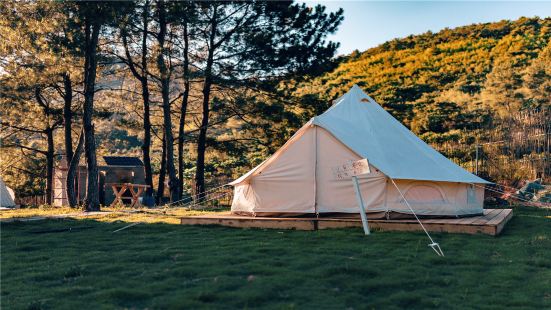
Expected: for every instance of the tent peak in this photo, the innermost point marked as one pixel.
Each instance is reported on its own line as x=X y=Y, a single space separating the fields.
x=354 y=95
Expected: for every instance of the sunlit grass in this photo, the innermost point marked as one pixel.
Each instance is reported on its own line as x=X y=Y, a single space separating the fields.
x=109 y=214
x=36 y=211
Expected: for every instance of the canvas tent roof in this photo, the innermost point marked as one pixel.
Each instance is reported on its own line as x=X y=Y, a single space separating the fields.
x=366 y=128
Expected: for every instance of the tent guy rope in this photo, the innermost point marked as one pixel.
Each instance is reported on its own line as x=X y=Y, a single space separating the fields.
x=193 y=204
x=502 y=192
x=435 y=246
x=193 y=197
x=533 y=203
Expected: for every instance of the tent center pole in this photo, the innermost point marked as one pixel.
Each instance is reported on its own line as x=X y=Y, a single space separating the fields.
x=360 y=204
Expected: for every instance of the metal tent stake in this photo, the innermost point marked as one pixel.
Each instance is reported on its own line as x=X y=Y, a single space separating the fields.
x=360 y=204
x=436 y=247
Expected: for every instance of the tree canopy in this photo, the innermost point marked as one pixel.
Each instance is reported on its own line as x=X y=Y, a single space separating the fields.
x=193 y=63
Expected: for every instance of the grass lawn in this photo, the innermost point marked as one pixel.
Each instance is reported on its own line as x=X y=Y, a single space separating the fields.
x=162 y=265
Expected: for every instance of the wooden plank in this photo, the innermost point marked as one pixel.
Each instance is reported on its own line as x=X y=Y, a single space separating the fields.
x=428 y=221
x=434 y=227
x=488 y=214
x=441 y=221
x=501 y=225
x=409 y=226
x=475 y=220
x=465 y=229
x=298 y=224
x=468 y=220
x=483 y=220
x=492 y=213
x=340 y=223
x=498 y=219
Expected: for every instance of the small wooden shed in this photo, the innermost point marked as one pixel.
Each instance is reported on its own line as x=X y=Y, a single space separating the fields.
x=112 y=169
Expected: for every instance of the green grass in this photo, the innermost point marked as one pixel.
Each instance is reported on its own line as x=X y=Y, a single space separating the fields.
x=172 y=266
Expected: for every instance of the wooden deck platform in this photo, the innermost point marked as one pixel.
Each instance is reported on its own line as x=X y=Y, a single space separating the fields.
x=491 y=223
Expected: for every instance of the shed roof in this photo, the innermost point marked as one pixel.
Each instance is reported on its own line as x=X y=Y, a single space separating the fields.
x=122 y=161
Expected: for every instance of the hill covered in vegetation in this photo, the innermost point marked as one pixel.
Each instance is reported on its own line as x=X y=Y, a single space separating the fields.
x=487 y=84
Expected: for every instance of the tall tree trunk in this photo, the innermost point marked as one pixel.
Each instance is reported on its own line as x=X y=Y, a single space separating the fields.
x=162 y=174
x=183 y=112
x=201 y=142
x=71 y=172
x=201 y=145
x=50 y=165
x=68 y=135
x=165 y=89
x=181 y=140
x=142 y=77
x=49 y=131
x=68 y=116
x=146 y=147
x=90 y=65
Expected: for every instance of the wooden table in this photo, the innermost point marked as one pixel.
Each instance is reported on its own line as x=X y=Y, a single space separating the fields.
x=119 y=189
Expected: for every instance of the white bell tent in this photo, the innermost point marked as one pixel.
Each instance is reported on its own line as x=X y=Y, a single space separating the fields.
x=298 y=178
x=6 y=195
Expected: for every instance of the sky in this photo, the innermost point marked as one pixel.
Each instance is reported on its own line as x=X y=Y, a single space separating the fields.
x=369 y=23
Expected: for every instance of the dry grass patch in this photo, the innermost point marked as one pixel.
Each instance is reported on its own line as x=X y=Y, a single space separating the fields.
x=108 y=214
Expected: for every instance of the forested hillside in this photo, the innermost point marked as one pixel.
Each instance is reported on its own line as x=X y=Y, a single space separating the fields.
x=487 y=84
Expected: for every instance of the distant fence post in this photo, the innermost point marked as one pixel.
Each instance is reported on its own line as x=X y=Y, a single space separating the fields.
x=476 y=159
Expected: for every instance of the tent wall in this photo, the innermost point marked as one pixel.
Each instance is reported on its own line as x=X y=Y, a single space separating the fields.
x=435 y=198
x=6 y=199
x=298 y=179
x=334 y=195
x=244 y=199
x=286 y=184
